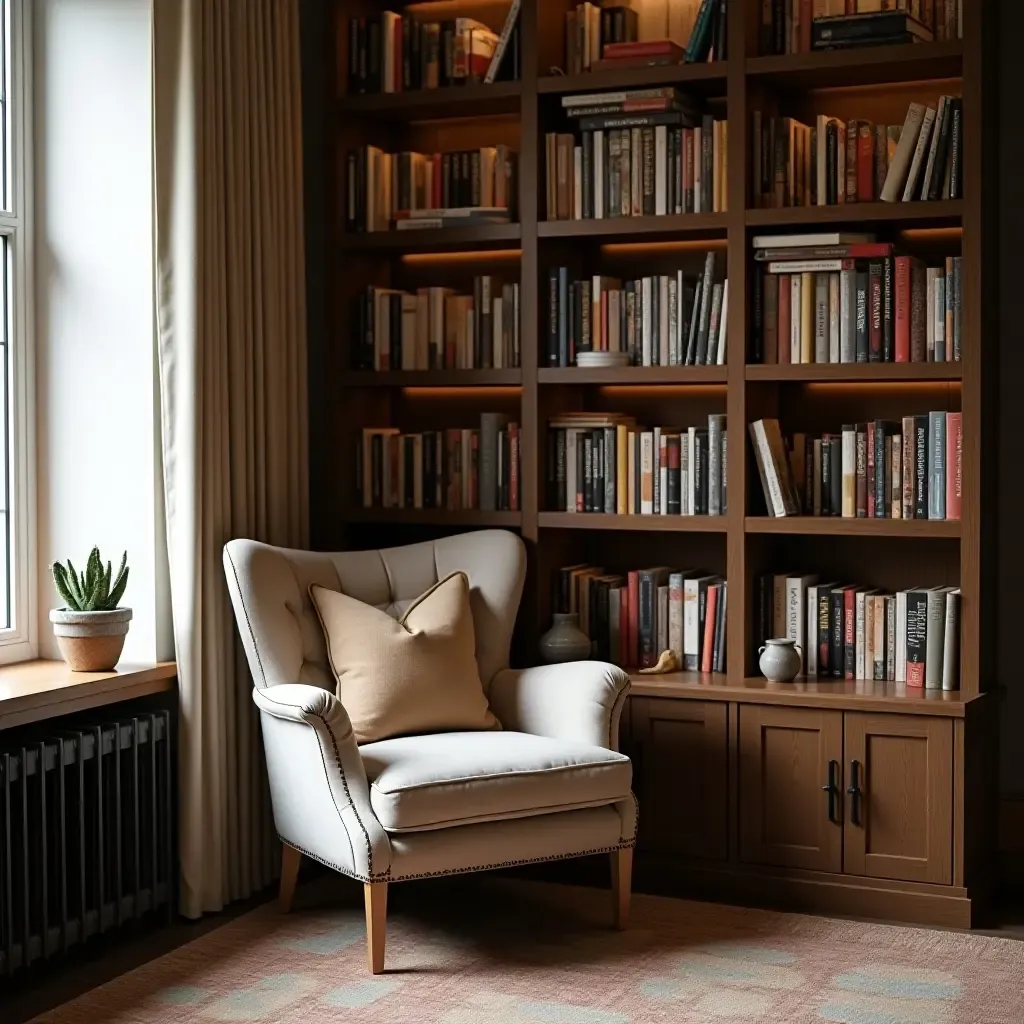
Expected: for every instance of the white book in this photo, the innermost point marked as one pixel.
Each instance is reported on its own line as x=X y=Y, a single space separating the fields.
x=656 y=473
x=663 y=474
x=723 y=329
x=929 y=168
x=901 y=636
x=821 y=239
x=951 y=643
x=810 y=655
x=920 y=157
x=681 y=328
x=662 y=347
x=502 y=44
x=834 y=314
x=691 y=440
x=776 y=503
x=900 y=163
x=803 y=266
x=847 y=316
x=795 y=318
x=796 y=610
x=691 y=620
x=859 y=634
x=938 y=354
x=599 y=187
x=577 y=178
x=660 y=170
x=646 y=471
x=849 y=469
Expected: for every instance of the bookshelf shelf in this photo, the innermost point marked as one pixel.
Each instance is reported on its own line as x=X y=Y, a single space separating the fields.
x=855 y=373
x=635 y=375
x=434 y=517
x=843 y=694
x=645 y=524
x=723 y=712
x=459 y=101
x=865 y=66
x=689 y=225
x=697 y=75
x=914 y=214
x=478 y=236
x=432 y=378
x=836 y=526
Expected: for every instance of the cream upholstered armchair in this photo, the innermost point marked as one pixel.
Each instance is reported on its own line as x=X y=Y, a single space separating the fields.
x=550 y=785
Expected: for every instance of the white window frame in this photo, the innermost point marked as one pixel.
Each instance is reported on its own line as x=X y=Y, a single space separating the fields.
x=21 y=642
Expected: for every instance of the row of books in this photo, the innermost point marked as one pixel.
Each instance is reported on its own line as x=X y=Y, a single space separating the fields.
x=834 y=162
x=846 y=631
x=910 y=468
x=661 y=320
x=631 y=618
x=437 y=329
x=606 y=463
x=389 y=53
x=804 y=26
x=408 y=190
x=640 y=152
x=453 y=469
x=600 y=37
x=855 y=302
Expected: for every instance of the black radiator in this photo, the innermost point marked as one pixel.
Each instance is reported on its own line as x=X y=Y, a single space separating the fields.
x=85 y=833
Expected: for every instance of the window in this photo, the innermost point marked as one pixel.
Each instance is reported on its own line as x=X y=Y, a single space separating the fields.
x=17 y=589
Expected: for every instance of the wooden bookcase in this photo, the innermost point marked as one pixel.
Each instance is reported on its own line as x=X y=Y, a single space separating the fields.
x=730 y=769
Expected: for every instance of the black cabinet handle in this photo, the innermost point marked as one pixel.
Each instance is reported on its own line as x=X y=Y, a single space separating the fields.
x=855 y=792
x=832 y=789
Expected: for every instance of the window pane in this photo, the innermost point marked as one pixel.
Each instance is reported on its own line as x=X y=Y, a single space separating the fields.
x=5 y=439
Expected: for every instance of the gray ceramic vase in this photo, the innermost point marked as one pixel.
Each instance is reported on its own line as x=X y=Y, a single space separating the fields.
x=781 y=660
x=565 y=641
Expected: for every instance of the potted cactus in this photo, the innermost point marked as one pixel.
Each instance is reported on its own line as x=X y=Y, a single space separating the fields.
x=90 y=629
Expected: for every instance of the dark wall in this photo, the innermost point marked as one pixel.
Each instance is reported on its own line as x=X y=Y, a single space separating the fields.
x=1010 y=520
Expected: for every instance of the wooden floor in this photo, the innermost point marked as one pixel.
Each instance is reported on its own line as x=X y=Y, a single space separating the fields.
x=104 y=961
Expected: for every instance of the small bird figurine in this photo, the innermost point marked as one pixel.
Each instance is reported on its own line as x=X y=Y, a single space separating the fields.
x=667 y=662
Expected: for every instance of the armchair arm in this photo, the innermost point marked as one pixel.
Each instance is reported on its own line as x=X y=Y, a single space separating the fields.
x=579 y=700
x=318 y=783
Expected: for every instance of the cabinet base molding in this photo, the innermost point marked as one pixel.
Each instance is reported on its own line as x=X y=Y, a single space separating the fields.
x=810 y=892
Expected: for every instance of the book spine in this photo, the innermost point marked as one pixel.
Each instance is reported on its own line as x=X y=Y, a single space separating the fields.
x=917 y=635
x=937 y=465
x=921 y=467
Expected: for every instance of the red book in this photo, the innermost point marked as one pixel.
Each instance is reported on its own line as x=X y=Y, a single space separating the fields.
x=652 y=48
x=865 y=162
x=903 y=311
x=785 y=301
x=633 y=604
x=513 y=470
x=850 y=632
x=954 y=463
x=708 y=647
x=851 y=6
x=871 y=470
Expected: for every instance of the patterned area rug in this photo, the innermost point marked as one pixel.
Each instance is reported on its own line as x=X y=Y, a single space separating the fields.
x=493 y=951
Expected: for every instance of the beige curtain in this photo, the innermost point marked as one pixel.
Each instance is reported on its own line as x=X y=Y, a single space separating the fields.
x=232 y=341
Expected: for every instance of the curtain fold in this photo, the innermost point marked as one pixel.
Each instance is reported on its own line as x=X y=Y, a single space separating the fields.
x=232 y=362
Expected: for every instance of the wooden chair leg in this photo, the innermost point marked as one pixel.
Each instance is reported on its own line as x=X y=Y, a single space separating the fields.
x=622 y=879
x=375 y=896
x=290 y=861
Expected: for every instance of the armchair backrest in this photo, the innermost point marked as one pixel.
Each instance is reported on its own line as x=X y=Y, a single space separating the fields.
x=280 y=631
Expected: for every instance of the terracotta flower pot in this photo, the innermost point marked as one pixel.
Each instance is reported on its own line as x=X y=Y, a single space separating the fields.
x=90 y=641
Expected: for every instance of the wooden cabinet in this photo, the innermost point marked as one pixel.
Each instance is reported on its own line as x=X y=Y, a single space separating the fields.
x=899 y=810
x=682 y=769
x=789 y=758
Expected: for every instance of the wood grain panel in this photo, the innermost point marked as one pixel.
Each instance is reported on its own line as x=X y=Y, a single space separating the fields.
x=904 y=769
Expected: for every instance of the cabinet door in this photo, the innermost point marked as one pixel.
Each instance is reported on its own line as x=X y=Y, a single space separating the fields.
x=899 y=805
x=787 y=758
x=682 y=774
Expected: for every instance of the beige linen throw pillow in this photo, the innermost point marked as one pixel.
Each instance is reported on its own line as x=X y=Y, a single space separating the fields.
x=417 y=674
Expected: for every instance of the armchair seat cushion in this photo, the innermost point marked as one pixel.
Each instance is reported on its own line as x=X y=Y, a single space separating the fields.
x=419 y=783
